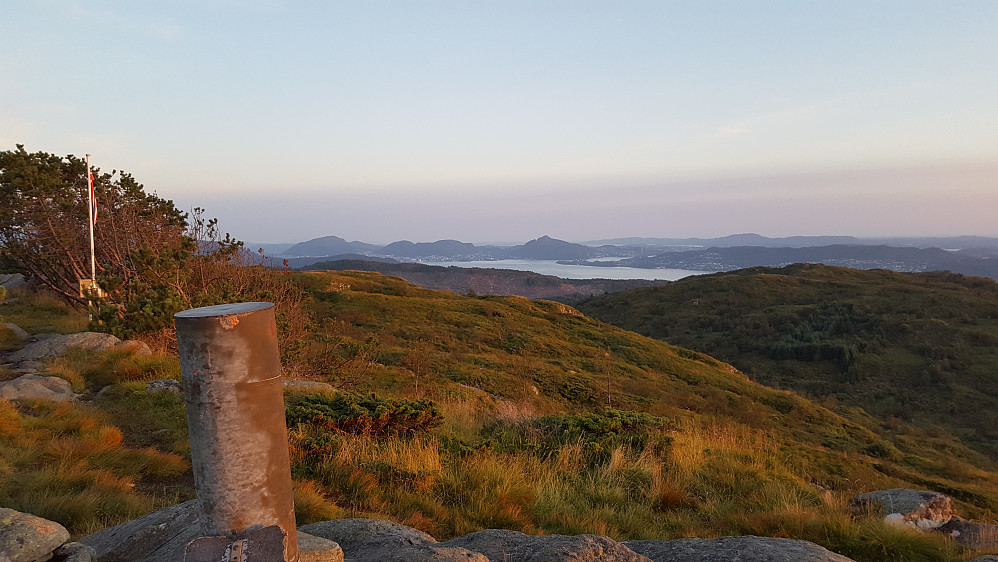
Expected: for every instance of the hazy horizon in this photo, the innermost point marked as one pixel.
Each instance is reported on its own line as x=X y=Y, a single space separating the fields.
x=379 y=120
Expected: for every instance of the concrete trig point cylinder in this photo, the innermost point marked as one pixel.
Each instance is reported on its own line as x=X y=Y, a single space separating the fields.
x=231 y=371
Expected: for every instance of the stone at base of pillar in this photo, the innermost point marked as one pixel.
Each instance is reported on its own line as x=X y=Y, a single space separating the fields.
x=317 y=549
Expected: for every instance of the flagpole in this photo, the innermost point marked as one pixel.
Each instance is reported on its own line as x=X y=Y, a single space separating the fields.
x=90 y=212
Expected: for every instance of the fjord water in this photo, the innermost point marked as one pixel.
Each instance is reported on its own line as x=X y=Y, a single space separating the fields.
x=552 y=267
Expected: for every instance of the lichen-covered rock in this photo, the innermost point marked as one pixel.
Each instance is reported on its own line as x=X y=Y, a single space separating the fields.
x=31 y=386
x=921 y=509
x=25 y=537
x=371 y=539
x=50 y=345
x=160 y=536
x=501 y=545
x=742 y=549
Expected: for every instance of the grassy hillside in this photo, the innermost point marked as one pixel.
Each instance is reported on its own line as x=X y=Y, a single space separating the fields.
x=919 y=348
x=549 y=421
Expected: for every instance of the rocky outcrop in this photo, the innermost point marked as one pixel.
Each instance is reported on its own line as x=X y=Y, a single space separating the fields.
x=163 y=535
x=50 y=345
x=367 y=539
x=500 y=545
x=36 y=387
x=744 y=549
x=921 y=509
x=26 y=538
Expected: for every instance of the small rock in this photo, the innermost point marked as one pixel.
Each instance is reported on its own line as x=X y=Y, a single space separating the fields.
x=371 y=539
x=921 y=509
x=317 y=549
x=34 y=386
x=164 y=385
x=308 y=385
x=137 y=347
x=500 y=545
x=51 y=345
x=744 y=549
x=25 y=537
x=74 y=552
x=18 y=332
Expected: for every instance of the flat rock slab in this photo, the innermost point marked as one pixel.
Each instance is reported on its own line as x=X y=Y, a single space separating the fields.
x=734 y=549
x=25 y=537
x=51 y=345
x=33 y=387
x=386 y=541
x=502 y=545
x=160 y=536
x=922 y=509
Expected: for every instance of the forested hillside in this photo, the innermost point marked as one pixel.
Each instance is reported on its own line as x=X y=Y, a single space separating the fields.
x=919 y=348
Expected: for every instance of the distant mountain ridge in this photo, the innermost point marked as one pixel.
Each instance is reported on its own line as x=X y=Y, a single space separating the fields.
x=969 y=255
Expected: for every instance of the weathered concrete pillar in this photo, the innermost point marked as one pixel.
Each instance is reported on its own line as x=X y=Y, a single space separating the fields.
x=235 y=417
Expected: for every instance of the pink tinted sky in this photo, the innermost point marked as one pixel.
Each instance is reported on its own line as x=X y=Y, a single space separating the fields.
x=381 y=120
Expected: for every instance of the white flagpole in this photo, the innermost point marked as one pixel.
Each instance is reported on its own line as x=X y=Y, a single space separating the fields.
x=90 y=212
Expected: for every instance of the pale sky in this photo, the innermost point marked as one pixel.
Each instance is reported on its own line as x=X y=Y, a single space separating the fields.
x=506 y=120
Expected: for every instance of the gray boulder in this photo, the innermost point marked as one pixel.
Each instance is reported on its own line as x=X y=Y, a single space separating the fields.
x=370 y=539
x=50 y=345
x=921 y=509
x=30 y=386
x=135 y=346
x=740 y=549
x=12 y=280
x=971 y=533
x=18 y=331
x=501 y=545
x=26 y=538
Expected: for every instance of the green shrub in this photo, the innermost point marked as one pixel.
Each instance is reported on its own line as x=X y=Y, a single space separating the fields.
x=365 y=415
